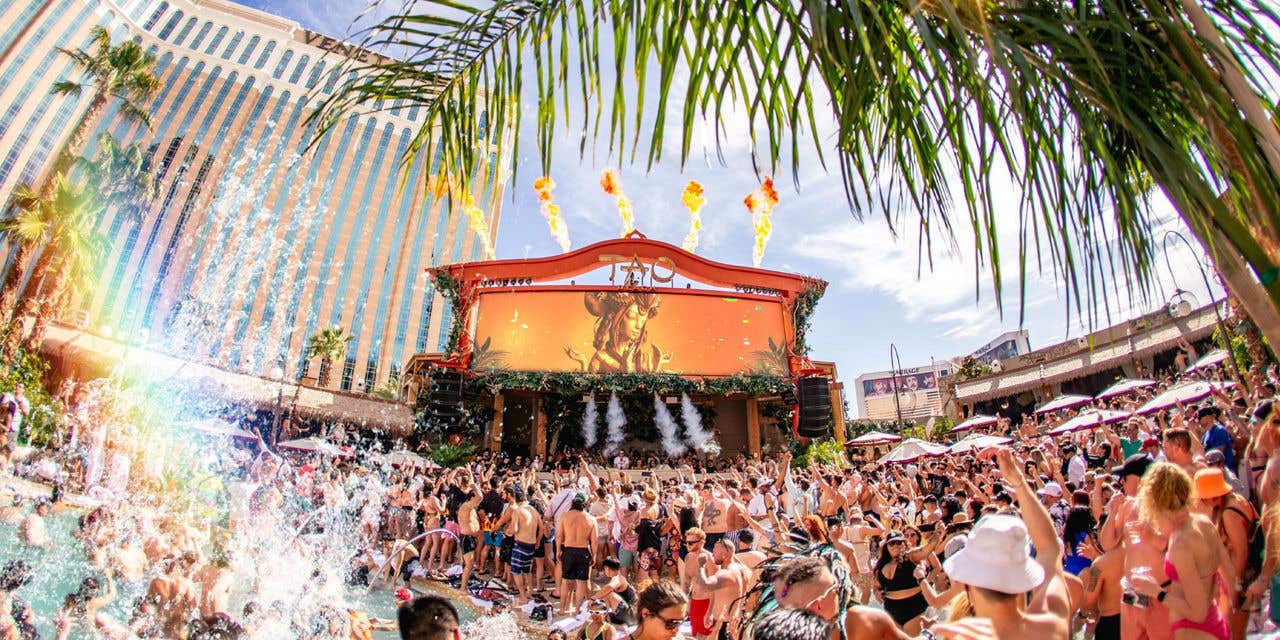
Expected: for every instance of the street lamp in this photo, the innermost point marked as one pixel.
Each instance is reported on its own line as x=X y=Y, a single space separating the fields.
x=277 y=374
x=893 y=371
x=1222 y=325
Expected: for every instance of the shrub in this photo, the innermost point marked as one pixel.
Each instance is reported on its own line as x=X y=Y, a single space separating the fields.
x=451 y=455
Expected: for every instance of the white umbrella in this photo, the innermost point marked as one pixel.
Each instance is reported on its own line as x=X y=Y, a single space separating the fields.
x=406 y=459
x=313 y=445
x=978 y=420
x=1090 y=419
x=1184 y=393
x=872 y=438
x=1217 y=356
x=1065 y=401
x=977 y=442
x=913 y=449
x=1125 y=386
x=216 y=427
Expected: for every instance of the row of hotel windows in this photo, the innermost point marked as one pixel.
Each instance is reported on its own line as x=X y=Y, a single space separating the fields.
x=399 y=106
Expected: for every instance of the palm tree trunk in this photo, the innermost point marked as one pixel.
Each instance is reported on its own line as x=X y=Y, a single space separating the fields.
x=1253 y=298
x=13 y=280
x=51 y=305
x=75 y=142
x=326 y=367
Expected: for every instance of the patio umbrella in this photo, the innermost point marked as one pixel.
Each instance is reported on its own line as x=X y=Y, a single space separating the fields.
x=1090 y=419
x=312 y=445
x=977 y=442
x=978 y=420
x=406 y=459
x=1124 y=386
x=913 y=449
x=1217 y=356
x=1184 y=393
x=873 y=438
x=216 y=427
x=1065 y=401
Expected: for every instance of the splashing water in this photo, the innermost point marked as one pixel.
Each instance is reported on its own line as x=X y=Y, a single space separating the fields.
x=699 y=439
x=616 y=420
x=590 y=422
x=668 y=428
x=693 y=201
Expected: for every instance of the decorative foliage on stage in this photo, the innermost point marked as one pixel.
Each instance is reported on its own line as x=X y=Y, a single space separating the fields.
x=609 y=182
x=448 y=286
x=551 y=211
x=660 y=383
x=693 y=201
x=802 y=313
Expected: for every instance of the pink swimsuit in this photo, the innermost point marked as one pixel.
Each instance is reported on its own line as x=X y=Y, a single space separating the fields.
x=1214 y=623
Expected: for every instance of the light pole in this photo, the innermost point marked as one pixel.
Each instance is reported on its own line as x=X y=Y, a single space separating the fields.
x=277 y=374
x=893 y=371
x=1222 y=325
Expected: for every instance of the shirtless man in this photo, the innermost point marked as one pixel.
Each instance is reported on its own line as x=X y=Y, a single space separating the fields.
x=468 y=533
x=573 y=548
x=215 y=581
x=526 y=525
x=715 y=516
x=174 y=596
x=1102 y=592
x=726 y=578
x=1182 y=449
x=747 y=553
x=31 y=531
x=695 y=556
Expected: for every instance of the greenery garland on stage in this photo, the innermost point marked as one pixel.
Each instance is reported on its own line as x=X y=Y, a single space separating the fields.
x=802 y=313
x=448 y=287
x=660 y=383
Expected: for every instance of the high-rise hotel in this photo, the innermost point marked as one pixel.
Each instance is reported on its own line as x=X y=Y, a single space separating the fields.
x=266 y=241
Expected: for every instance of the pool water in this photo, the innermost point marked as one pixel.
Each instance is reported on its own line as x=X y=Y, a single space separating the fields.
x=59 y=568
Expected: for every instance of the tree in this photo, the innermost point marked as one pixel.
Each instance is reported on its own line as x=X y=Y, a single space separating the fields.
x=328 y=345
x=25 y=232
x=121 y=72
x=1088 y=107
x=120 y=174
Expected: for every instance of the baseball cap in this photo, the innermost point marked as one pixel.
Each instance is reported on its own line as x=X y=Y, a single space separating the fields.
x=1052 y=489
x=1150 y=442
x=1214 y=456
x=1135 y=465
x=403 y=594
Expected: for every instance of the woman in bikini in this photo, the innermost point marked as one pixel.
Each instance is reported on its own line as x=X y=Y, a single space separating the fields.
x=433 y=512
x=1196 y=561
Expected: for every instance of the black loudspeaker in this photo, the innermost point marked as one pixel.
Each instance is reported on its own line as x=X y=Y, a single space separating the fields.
x=445 y=400
x=814 y=396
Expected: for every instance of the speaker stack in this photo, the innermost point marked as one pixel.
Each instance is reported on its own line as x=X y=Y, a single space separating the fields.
x=814 y=397
x=444 y=404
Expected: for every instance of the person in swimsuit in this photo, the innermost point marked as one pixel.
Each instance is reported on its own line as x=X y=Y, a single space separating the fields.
x=597 y=626
x=1195 y=561
x=899 y=587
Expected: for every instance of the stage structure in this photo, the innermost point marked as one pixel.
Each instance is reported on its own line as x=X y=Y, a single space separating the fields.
x=528 y=339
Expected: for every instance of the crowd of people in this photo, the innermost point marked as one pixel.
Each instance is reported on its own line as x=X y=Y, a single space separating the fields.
x=1159 y=526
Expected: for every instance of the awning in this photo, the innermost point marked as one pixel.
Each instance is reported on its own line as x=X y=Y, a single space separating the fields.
x=873 y=438
x=1215 y=357
x=975 y=422
x=911 y=450
x=1128 y=385
x=977 y=442
x=1090 y=419
x=1064 y=401
x=1182 y=394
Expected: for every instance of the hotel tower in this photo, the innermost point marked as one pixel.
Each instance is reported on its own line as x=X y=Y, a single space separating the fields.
x=252 y=237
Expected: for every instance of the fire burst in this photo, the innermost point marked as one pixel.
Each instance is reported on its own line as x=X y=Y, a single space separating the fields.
x=551 y=211
x=475 y=219
x=761 y=203
x=693 y=201
x=609 y=182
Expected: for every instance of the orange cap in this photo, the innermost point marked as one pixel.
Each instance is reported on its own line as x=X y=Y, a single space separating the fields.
x=1211 y=484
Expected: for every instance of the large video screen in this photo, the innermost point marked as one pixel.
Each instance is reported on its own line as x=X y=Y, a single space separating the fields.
x=612 y=331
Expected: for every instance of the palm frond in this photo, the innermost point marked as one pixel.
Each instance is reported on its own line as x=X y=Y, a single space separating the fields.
x=135 y=113
x=67 y=88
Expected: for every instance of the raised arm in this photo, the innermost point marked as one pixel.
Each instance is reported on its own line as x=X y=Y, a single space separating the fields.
x=1052 y=595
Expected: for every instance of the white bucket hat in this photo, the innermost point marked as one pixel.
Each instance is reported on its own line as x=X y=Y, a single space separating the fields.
x=996 y=556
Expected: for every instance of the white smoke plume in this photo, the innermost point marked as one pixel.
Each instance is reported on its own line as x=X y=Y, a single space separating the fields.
x=590 y=422
x=616 y=421
x=668 y=427
x=699 y=439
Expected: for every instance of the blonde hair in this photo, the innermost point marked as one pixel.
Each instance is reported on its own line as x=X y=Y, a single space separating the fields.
x=960 y=607
x=1165 y=489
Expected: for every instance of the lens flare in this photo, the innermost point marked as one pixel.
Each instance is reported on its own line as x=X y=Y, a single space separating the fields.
x=551 y=211
x=693 y=201
x=761 y=203
x=611 y=185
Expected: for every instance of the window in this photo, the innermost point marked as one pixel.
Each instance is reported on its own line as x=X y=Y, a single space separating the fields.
x=297 y=71
x=170 y=26
x=217 y=40
x=204 y=31
x=332 y=82
x=315 y=75
x=235 y=42
x=186 y=31
x=348 y=372
x=370 y=376
x=155 y=17
x=284 y=62
x=266 y=53
x=248 y=51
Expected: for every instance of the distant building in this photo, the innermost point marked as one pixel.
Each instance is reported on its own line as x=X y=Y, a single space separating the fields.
x=252 y=238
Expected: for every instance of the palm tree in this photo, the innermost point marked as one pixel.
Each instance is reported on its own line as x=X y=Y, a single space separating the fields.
x=328 y=345
x=72 y=249
x=25 y=231
x=110 y=72
x=120 y=174
x=1088 y=107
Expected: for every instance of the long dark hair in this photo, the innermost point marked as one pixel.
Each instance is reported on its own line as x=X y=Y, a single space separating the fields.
x=1079 y=520
x=658 y=596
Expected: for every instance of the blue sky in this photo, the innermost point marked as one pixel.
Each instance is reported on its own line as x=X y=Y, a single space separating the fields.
x=875 y=297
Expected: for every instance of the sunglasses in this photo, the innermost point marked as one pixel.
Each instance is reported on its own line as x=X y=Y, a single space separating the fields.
x=692 y=542
x=671 y=625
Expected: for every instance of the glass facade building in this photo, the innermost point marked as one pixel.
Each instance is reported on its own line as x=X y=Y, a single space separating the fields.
x=252 y=236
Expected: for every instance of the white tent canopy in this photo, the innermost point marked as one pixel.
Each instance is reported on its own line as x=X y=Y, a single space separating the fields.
x=977 y=442
x=1183 y=394
x=1065 y=401
x=873 y=438
x=1090 y=419
x=407 y=459
x=1217 y=356
x=976 y=421
x=1127 y=385
x=913 y=449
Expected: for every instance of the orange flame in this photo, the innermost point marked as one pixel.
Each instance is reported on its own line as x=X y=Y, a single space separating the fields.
x=761 y=203
x=475 y=220
x=610 y=183
x=692 y=199
x=550 y=211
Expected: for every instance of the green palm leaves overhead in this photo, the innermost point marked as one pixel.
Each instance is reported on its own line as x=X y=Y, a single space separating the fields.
x=1087 y=108
x=328 y=345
